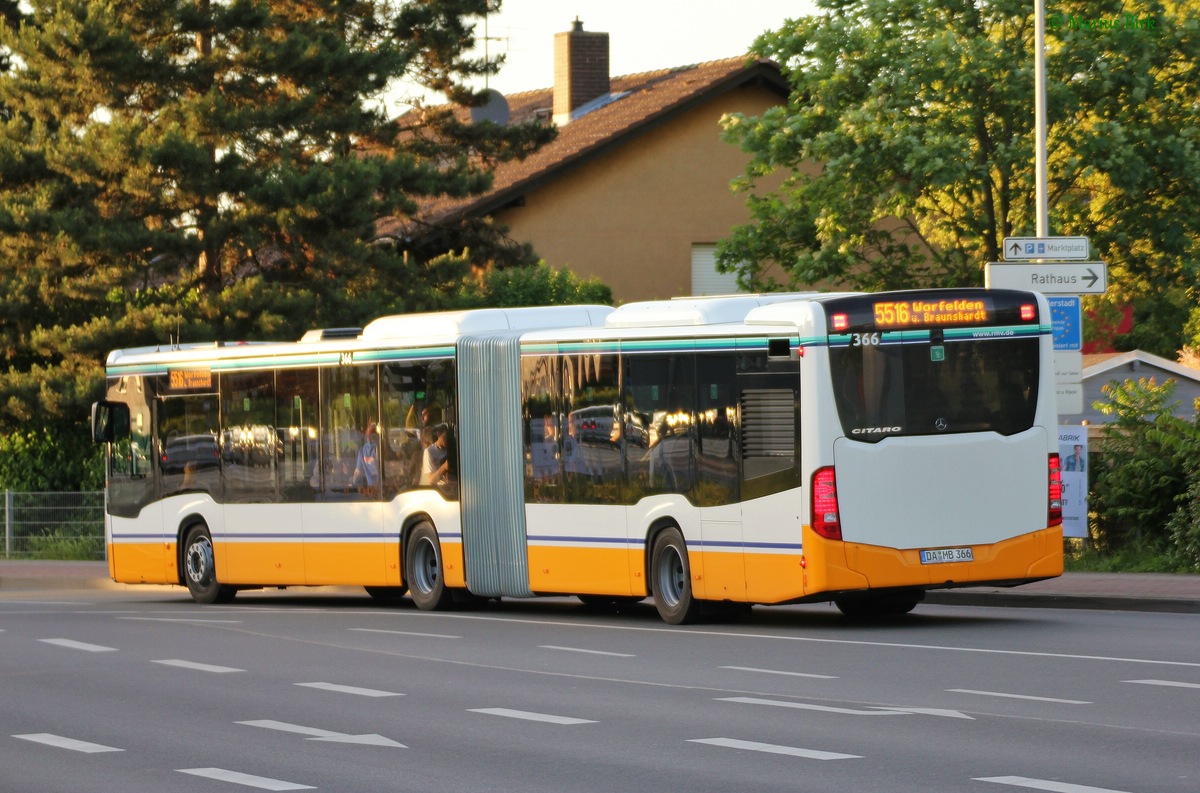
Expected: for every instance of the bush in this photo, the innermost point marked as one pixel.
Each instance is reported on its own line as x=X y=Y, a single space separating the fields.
x=46 y=459
x=1144 y=471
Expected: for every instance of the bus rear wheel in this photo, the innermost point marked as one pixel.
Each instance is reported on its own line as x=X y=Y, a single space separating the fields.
x=671 y=575
x=423 y=569
x=200 y=569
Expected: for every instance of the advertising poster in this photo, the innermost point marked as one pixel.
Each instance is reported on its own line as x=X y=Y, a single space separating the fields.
x=1073 y=455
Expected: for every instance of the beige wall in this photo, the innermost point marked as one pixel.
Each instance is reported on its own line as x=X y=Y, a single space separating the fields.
x=630 y=217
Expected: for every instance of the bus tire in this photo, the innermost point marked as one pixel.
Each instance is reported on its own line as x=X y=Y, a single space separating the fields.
x=386 y=594
x=200 y=569
x=423 y=569
x=671 y=575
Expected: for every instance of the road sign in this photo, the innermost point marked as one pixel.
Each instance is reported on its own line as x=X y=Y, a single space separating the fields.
x=1049 y=248
x=1068 y=367
x=1073 y=278
x=1066 y=320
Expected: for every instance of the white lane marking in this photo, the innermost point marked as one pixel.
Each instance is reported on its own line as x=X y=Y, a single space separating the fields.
x=1045 y=784
x=406 y=633
x=362 y=692
x=776 y=703
x=874 y=711
x=197 y=666
x=582 y=650
x=779 y=672
x=815 y=640
x=317 y=734
x=793 y=751
x=1175 y=683
x=528 y=716
x=1018 y=696
x=249 y=780
x=67 y=743
x=74 y=645
x=182 y=619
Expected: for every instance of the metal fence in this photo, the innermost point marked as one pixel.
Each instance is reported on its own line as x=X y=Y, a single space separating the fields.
x=54 y=525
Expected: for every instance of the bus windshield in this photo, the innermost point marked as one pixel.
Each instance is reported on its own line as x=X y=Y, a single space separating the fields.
x=933 y=366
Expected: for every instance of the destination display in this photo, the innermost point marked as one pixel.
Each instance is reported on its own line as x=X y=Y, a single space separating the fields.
x=920 y=313
x=189 y=379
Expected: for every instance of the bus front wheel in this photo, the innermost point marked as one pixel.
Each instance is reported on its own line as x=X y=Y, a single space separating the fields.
x=423 y=570
x=200 y=569
x=671 y=575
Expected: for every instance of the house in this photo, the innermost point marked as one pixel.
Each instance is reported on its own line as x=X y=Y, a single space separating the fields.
x=1101 y=369
x=635 y=190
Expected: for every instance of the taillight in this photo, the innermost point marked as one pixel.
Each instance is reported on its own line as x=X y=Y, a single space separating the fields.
x=1028 y=312
x=840 y=321
x=825 y=520
x=1054 y=511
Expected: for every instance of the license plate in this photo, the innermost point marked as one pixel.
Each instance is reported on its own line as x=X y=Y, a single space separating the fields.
x=943 y=555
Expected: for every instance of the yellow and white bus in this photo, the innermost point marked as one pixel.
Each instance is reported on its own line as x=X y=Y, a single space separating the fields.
x=710 y=453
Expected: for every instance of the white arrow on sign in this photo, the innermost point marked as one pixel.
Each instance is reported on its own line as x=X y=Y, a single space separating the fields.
x=317 y=734
x=1050 y=278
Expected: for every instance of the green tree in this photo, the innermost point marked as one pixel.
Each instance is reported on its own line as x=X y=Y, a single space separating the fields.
x=907 y=150
x=536 y=285
x=189 y=169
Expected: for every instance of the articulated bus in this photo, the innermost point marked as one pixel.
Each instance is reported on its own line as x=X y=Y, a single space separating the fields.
x=708 y=453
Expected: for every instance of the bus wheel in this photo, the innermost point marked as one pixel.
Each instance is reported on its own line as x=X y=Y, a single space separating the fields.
x=891 y=604
x=672 y=578
x=200 y=570
x=423 y=569
x=386 y=594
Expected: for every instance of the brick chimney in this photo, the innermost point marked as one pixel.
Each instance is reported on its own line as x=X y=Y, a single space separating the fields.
x=580 y=69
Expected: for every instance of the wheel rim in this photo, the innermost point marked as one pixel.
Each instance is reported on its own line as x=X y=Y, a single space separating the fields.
x=426 y=566
x=199 y=562
x=671 y=576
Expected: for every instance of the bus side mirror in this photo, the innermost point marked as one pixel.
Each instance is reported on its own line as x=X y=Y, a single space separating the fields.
x=102 y=422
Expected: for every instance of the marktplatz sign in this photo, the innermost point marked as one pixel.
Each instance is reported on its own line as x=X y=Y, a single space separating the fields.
x=1055 y=249
x=1051 y=278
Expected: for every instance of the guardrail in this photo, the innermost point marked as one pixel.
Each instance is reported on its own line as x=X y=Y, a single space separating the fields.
x=54 y=525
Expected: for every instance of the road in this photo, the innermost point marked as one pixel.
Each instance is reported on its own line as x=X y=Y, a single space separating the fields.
x=129 y=691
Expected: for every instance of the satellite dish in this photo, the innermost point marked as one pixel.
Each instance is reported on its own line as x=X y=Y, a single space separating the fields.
x=494 y=109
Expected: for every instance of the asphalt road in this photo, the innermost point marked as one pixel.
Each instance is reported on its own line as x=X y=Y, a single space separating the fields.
x=129 y=691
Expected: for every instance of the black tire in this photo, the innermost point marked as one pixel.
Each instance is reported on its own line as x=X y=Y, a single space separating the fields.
x=386 y=594
x=671 y=577
x=423 y=571
x=200 y=570
x=872 y=606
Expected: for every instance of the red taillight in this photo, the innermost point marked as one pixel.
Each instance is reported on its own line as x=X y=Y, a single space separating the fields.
x=825 y=519
x=1054 y=512
x=840 y=321
x=1028 y=312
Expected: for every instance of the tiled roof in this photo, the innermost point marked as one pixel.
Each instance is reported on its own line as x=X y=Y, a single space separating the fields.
x=640 y=102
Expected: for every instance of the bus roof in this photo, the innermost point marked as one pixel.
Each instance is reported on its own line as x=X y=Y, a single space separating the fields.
x=452 y=324
x=696 y=311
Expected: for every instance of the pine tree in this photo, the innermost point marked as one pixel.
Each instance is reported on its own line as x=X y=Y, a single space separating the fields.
x=190 y=169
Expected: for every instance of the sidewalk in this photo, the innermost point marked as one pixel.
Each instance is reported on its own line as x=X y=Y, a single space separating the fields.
x=1107 y=591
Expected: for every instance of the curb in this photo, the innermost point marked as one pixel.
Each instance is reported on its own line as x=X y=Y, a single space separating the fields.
x=1088 y=602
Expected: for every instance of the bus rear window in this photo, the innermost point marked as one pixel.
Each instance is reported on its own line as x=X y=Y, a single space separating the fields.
x=970 y=366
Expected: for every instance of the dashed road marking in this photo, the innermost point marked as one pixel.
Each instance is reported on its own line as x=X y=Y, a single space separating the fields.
x=529 y=716
x=770 y=748
x=67 y=743
x=74 y=645
x=249 y=780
